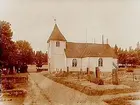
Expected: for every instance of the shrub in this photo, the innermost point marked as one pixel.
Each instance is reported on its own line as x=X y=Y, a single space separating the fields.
x=115 y=83
x=95 y=80
x=8 y=85
x=100 y=82
x=90 y=77
x=130 y=70
x=122 y=69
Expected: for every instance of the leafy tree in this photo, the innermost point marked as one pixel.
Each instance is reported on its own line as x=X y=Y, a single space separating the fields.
x=7 y=45
x=45 y=59
x=24 y=51
x=41 y=57
x=116 y=49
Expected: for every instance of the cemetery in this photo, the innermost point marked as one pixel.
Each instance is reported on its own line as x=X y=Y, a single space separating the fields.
x=14 y=88
x=95 y=83
x=102 y=84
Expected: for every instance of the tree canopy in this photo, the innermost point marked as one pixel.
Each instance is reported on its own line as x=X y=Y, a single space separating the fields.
x=7 y=45
x=13 y=51
x=24 y=51
x=128 y=57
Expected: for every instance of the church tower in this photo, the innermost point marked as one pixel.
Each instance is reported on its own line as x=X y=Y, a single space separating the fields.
x=56 y=47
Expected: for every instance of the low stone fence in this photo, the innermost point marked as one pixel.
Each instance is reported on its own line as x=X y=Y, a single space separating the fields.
x=15 y=79
x=11 y=84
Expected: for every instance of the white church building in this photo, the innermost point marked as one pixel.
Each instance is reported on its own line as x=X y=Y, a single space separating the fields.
x=78 y=56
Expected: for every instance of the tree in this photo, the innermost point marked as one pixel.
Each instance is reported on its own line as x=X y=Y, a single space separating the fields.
x=116 y=49
x=45 y=59
x=7 y=45
x=0 y=41
x=24 y=51
x=41 y=57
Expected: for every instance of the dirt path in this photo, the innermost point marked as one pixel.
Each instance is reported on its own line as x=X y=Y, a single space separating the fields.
x=59 y=94
x=35 y=95
x=43 y=91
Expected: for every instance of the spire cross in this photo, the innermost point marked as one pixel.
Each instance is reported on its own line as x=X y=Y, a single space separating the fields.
x=54 y=20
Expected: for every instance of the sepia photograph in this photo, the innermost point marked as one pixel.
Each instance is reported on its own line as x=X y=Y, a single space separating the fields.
x=69 y=52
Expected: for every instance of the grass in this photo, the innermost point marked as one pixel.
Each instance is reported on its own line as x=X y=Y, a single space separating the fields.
x=122 y=100
x=93 y=92
x=88 y=90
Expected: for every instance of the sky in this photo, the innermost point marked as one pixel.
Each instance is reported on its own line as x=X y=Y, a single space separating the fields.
x=78 y=20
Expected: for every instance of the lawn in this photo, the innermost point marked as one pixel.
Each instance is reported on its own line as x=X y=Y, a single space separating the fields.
x=126 y=85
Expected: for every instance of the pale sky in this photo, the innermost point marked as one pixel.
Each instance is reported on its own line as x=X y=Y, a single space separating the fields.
x=32 y=20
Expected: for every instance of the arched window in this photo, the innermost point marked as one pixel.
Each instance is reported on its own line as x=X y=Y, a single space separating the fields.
x=74 y=63
x=100 y=62
x=57 y=44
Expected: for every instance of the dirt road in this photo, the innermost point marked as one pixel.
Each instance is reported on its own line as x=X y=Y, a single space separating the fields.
x=47 y=92
x=35 y=95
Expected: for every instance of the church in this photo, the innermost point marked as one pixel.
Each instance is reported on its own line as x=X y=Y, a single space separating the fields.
x=63 y=55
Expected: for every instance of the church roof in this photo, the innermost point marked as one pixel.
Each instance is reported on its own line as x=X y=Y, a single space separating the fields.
x=56 y=34
x=81 y=50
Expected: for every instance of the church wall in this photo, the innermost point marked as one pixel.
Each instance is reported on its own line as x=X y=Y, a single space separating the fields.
x=57 y=62
x=85 y=63
x=57 y=58
x=93 y=63
x=49 y=49
x=115 y=60
x=69 y=64
x=57 y=50
x=107 y=64
x=49 y=56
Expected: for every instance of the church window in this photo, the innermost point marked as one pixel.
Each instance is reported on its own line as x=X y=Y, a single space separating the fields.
x=57 y=44
x=74 y=63
x=100 y=62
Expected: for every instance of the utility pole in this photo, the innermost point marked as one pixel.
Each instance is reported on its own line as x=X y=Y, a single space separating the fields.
x=102 y=39
x=86 y=35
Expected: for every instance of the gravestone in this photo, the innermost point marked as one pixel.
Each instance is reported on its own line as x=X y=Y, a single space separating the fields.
x=80 y=74
x=87 y=71
x=115 y=80
x=67 y=69
x=97 y=70
x=136 y=75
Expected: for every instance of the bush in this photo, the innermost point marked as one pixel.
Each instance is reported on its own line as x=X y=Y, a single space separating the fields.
x=122 y=69
x=90 y=77
x=115 y=83
x=100 y=82
x=8 y=85
x=95 y=80
x=130 y=70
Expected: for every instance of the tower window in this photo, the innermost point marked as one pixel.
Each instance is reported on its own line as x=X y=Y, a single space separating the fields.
x=74 y=63
x=57 y=44
x=100 y=62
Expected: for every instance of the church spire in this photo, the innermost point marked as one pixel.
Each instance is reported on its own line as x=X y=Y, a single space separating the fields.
x=56 y=34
